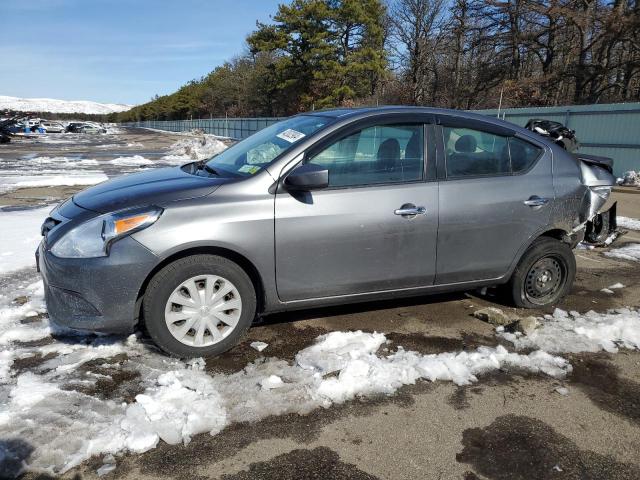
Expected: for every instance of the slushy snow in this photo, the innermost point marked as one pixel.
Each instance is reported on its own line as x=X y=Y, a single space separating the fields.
x=630 y=223
x=630 y=251
x=573 y=332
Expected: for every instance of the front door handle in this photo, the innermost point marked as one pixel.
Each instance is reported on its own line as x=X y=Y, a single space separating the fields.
x=536 y=201
x=410 y=210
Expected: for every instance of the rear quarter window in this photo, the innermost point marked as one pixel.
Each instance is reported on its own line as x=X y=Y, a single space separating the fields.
x=523 y=154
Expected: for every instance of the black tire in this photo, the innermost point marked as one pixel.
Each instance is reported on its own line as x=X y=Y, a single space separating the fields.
x=545 y=258
x=170 y=277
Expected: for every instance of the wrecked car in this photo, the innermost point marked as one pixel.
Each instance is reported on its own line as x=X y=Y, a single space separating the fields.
x=324 y=208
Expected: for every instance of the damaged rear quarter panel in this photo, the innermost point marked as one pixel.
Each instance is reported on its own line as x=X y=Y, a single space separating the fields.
x=572 y=196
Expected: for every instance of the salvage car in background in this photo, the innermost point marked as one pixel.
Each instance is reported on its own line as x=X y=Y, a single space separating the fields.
x=324 y=208
x=52 y=127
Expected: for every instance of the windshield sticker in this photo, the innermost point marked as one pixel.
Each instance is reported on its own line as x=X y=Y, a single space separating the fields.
x=249 y=169
x=291 y=135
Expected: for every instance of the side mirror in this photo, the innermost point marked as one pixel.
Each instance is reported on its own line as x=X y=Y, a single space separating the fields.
x=307 y=177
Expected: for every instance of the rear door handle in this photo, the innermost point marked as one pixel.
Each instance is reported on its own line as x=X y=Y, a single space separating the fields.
x=410 y=210
x=536 y=201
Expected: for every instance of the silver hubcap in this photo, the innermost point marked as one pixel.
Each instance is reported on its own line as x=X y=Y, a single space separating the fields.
x=203 y=310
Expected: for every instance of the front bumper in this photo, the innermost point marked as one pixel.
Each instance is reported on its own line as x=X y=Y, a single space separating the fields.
x=96 y=294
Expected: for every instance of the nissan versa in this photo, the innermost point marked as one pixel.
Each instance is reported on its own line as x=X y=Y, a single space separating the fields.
x=323 y=208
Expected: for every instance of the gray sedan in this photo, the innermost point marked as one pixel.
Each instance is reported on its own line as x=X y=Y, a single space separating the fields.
x=324 y=208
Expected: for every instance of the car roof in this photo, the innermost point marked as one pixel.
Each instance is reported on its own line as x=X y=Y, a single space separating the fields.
x=363 y=112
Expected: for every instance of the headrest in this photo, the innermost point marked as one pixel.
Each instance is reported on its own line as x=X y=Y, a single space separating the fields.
x=389 y=152
x=466 y=144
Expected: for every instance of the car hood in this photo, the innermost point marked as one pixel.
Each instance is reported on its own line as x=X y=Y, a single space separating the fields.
x=157 y=187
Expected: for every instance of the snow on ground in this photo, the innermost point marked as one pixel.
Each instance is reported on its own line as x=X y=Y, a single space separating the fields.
x=630 y=251
x=630 y=223
x=194 y=148
x=177 y=400
x=20 y=234
x=51 y=178
x=589 y=332
x=49 y=171
x=133 y=161
x=60 y=106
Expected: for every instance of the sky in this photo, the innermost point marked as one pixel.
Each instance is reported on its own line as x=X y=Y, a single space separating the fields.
x=118 y=51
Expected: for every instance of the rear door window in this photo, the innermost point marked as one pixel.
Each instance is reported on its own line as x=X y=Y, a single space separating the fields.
x=471 y=152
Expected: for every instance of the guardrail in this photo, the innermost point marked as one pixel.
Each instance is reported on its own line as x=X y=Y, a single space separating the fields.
x=611 y=130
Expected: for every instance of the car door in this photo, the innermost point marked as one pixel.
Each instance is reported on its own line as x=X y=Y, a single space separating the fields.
x=496 y=192
x=374 y=228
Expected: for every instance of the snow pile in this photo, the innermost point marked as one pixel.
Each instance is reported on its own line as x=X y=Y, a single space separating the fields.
x=194 y=148
x=589 y=332
x=630 y=251
x=630 y=223
x=113 y=129
x=184 y=403
x=631 y=178
x=20 y=238
x=60 y=106
x=362 y=372
x=133 y=161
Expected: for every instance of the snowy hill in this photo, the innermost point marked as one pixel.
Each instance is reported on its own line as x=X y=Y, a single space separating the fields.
x=59 y=106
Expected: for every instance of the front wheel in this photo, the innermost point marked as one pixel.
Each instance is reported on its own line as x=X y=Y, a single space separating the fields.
x=544 y=274
x=199 y=306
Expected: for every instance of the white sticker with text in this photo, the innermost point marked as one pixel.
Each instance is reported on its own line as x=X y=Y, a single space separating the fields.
x=291 y=135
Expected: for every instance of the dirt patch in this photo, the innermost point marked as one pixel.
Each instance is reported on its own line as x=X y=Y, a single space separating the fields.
x=320 y=462
x=424 y=344
x=517 y=447
x=38 y=196
x=181 y=460
x=285 y=341
x=21 y=365
x=599 y=379
x=114 y=381
x=35 y=343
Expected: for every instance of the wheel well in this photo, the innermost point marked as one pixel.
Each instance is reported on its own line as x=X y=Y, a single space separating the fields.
x=556 y=233
x=242 y=261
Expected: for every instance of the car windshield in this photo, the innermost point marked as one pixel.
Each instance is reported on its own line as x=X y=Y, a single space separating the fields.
x=252 y=154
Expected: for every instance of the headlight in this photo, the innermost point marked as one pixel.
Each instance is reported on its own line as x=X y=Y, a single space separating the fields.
x=93 y=238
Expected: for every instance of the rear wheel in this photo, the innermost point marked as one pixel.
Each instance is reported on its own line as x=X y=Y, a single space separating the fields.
x=544 y=274
x=199 y=306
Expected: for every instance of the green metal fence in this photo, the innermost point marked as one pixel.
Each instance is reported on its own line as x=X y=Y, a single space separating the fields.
x=611 y=130
x=236 y=128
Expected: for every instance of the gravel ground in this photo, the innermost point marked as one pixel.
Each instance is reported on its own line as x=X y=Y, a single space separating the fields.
x=505 y=426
